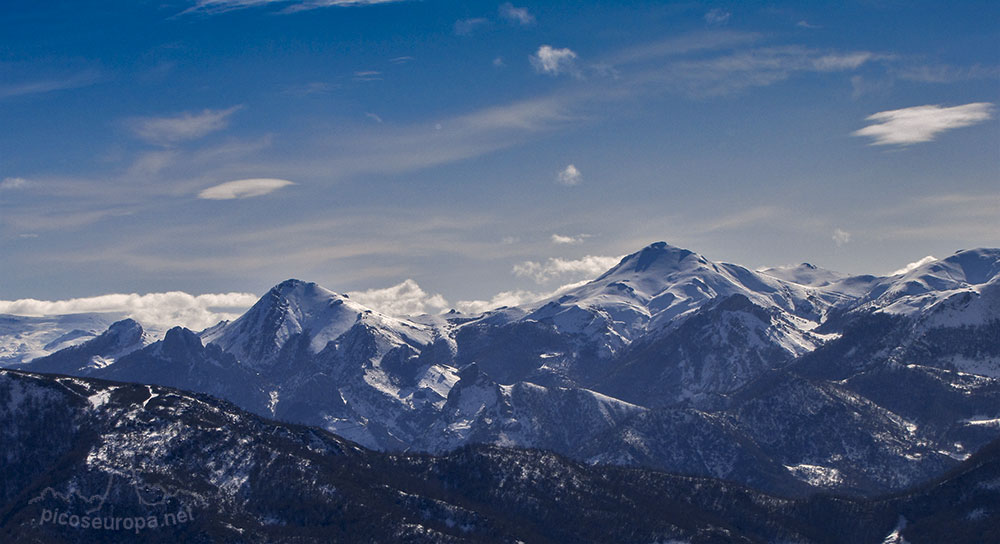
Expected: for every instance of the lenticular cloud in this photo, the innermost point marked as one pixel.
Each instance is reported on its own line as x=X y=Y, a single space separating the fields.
x=243 y=188
x=922 y=123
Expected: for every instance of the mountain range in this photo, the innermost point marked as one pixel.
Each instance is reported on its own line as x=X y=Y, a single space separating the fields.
x=90 y=460
x=789 y=380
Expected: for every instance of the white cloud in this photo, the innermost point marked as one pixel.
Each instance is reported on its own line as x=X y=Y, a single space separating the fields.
x=569 y=175
x=516 y=15
x=717 y=17
x=589 y=266
x=12 y=183
x=806 y=24
x=517 y=297
x=560 y=239
x=159 y=310
x=554 y=61
x=922 y=123
x=498 y=62
x=243 y=188
x=914 y=265
x=186 y=126
x=374 y=117
x=841 y=237
x=406 y=298
x=465 y=27
x=508 y=240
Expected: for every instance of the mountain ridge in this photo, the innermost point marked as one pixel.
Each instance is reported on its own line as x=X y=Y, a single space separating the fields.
x=665 y=343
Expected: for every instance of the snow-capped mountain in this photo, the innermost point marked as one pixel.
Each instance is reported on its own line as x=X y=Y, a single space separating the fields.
x=782 y=378
x=654 y=291
x=25 y=338
x=297 y=308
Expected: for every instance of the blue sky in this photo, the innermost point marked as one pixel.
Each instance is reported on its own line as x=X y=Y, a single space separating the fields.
x=478 y=148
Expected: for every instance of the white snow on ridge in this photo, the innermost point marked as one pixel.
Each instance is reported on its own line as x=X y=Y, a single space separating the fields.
x=100 y=398
x=816 y=475
x=985 y=422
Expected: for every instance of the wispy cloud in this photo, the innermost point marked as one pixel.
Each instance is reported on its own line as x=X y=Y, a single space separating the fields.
x=243 y=188
x=222 y=6
x=922 y=123
x=83 y=79
x=374 y=117
x=945 y=73
x=683 y=44
x=966 y=218
x=465 y=27
x=513 y=14
x=159 y=310
x=744 y=218
x=589 y=266
x=312 y=88
x=861 y=86
x=406 y=298
x=60 y=217
x=367 y=75
x=187 y=126
x=569 y=176
x=12 y=183
x=672 y=65
x=841 y=237
x=569 y=240
x=554 y=62
x=396 y=147
x=717 y=16
x=807 y=25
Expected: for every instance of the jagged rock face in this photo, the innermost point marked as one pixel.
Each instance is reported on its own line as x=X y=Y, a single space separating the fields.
x=780 y=378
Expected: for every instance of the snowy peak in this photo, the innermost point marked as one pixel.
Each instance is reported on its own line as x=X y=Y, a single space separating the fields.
x=929 y=284
x=658 y=257
x=291 y=308
x=295 y=308
x=653 y=288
